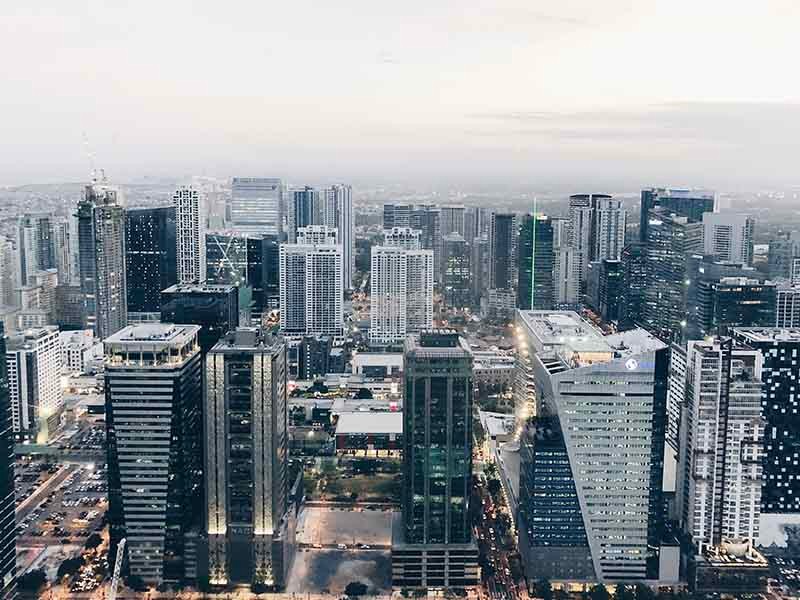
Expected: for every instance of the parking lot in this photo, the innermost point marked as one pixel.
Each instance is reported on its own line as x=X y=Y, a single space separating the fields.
x=326 y=527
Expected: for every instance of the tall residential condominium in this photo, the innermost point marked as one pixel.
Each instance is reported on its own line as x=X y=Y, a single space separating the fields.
x=722 y=443
x=453 y=220
x=304 y=209
x=428 y=220
x=36 y=251
x=256 y=203
x=477 y=222
x=8 y=272
x=456 y=288
x=397 y=215
x=719 y=305
x=609 y=228
x=190 y=234
x=432 y=544
x=246 y=460
x=318 y=234
x=337 y=213
x=729 y=237
x=480 y=268
x=566 y=271
x=604 y=289
x=150 y=259
x=33 y=368
x=402 y=237
x=65 y=244
x=536 y=264
x=594 y=411
x=101 y=241
x=311 y=289
x=503 y=251
x=8 y=522
x=214 y=307
x=670 y=241
x=783 y=259
x=780 y=479
x=787 y=306
x=401 y=292
x=691 y=204
x=155 y=438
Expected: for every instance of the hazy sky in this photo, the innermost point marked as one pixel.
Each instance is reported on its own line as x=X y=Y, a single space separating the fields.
x=692 y=92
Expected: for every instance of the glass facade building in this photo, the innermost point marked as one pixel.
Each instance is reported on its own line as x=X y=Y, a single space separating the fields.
x=214 y=307
x=150 y=257
x=8 y=523
x=536 y=287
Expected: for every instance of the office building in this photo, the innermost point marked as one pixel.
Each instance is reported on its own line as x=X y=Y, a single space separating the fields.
x=729 y=237
x=249 y=529
x=536 y=264
x=453 y=220
x=787 y=306
x=256 y=204
x=432 y=545
x=155 y=438
x=722 y=437
x=150 y=259
x=427 y=219
x=730 y=302
x=566 y=273
x=101 y=239
x=780 y=479
x=304 y=210
x=65 y=248
x=311 y=289
x=670 y=240
x=317 y=235
x=402 y=237
x=457 y=292
x=503 y=251
x=401 y=292
x=604 y=289
x=691 y=204
x=35 y=245
x=634 y=285
x=215 y=308
x=314 y=357
x=78 y=350
x=33 y=367
x=594 y=408
x=477 y=222
x=8 y=272
x=69 y=307
x=8 y=522
x=337 y=213
x=610 y=218
x=783 y=259
x=480 y=267
x=190 y=235
x=397 y=215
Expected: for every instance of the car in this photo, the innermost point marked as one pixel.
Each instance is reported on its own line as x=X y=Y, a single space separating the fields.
x=317 y=545
x=364 y=546
x=341 y=546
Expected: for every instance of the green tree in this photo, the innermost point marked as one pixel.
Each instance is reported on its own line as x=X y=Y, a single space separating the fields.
x=543 y=589
x=354 y=589
x=69 y=567
x=93 y=541
x=32 y=581
x=599 y=592
x=643 y=592
x=623 y=592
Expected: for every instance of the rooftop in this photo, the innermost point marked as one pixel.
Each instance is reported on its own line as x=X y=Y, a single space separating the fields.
x=560 y=328
x=437 y=342
x=351 y=423
x=154 y=335
x=247 y=338
x=199 y=288
x=768 y=334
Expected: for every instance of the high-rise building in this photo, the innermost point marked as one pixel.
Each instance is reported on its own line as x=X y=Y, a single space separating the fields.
x=722 y=437
x=566 y=271
x=215 y=308
x=452 y=220
x=402 y=237
x=684 y=203
x=304 y=210
x=35 y=245
x=256 y=203
x=477 y=222
x=780 y=481
x=581 y=233
x=610 y=218
x=318 y=234
x=8 y=272
x=427 y=219
x=101 y=239
x=246 y=460
x=8 y=522
x=65 y=244
x=604 y=289
x=730 y=302
x=397 y=215
x=503 y=251
x=150 y=259
x=670 y=240
x=480 y=266
x=787 y=306
x=190 y=235
x=729 y=237
x=594 y=409
x=784 y=257
x=154 y=434
x=401 y=290
x=33 y=366
x=457 y=290
x=432 y=545
x=311 y=289
x=536 y=264
x=337 y=213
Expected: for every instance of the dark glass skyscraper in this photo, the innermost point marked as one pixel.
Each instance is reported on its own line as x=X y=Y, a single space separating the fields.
x=536 y=261
x=731 y=302
x=437 y=466
x=634 y=284
x=502 y=248
x=685 y=203
x=150 y=257
x=214 y=307
x=605 y=287
x=8 y=523
x=457 y=290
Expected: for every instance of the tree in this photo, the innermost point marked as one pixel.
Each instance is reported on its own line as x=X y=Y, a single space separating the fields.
x=364 y=394
x=93 y=541
x=543 y=589
x=69 y=567
x=354 y=589
x=136 y=583
x=494 y=486
x=599 y=592
x=623 y=592
x=643 y=592
x=32 y=580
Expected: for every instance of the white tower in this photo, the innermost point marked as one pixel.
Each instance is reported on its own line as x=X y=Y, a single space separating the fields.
x=190 y=235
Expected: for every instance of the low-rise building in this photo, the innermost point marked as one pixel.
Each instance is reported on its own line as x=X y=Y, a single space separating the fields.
x=369 y=433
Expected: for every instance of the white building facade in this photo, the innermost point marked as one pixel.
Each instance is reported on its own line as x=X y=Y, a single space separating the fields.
x=190 y=235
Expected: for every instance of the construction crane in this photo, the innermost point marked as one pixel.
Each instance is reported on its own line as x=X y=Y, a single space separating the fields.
x=112 y=594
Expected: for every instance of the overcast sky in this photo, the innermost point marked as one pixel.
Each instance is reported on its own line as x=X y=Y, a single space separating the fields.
x=689 y=92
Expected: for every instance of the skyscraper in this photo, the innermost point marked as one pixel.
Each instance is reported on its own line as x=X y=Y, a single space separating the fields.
x=456 y=271
x=35 y=245
x=8 y=523
x=480 y=266
x=780 y=374
x=609 y=228
x=154 y=434
x=427 y=219
x=684 y=203
x=604 y=289
x=582 y=233
x=338 y=213
x=566 y=279
x=591 y=506
x=784 y=257
x=311 y=289
x=432 y=543
x=150 y=259
x=215 y=308
x=503 y=251
x=729 y=237
x=8 y=270
x=452 y=220
x=304 y=210
x=190 y=235
x=536 y=264
x=722 y=436
x=402 y=237
x=33 y=368
x=670 y=240
x=246 y=458
x=397 y=215
x=787 y=306
x=101 y=240
x=731 y=302
x=256 y=203
x=65 y=244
